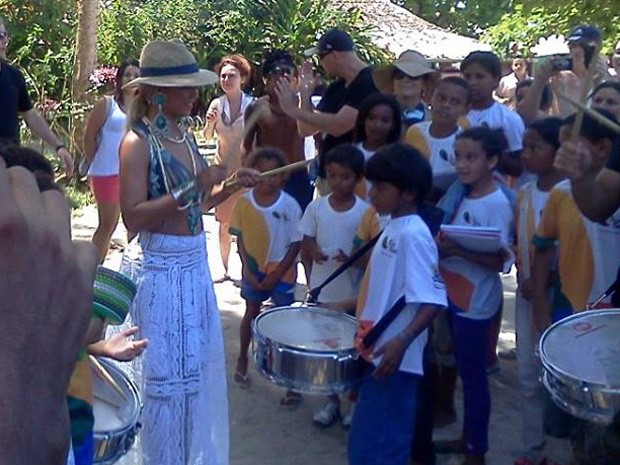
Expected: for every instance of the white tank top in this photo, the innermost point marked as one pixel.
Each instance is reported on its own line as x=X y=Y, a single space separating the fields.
x=105 y=162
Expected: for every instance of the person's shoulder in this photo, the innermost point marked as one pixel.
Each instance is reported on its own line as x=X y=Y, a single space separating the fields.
x=364 y=80
x=289 y=201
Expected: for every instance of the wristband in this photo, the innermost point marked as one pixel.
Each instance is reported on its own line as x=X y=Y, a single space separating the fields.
x=185 y=194
x=58 y=147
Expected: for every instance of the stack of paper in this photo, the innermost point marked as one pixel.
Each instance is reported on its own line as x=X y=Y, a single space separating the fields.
x=474 y=238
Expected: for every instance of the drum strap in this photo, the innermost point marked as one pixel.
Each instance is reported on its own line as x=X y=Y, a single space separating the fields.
x=385 y=321
x=432 y=217
x=313 y=295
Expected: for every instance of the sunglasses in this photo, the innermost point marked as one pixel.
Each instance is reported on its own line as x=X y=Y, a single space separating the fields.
x=4 y=35
x=282 y=71
x=324 y=54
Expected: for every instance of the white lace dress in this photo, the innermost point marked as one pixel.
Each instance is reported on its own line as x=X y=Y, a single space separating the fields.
x=181 y=375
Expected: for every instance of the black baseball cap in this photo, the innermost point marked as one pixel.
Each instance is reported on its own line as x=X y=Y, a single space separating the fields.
x=334 y=40
x=585 y=33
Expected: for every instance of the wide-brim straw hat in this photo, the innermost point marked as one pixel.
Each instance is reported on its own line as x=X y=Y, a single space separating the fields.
x=171 y=64
x=411 y=63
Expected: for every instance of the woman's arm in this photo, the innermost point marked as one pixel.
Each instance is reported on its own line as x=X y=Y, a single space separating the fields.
x=211 y=117
x=96 y=119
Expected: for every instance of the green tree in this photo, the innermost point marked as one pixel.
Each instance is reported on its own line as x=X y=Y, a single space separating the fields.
x=466 y=17
x=541 y=18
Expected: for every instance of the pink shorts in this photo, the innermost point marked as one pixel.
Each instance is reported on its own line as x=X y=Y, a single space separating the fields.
x=105 y=188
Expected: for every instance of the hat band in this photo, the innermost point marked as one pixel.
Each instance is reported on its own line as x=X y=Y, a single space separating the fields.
x=169 y=71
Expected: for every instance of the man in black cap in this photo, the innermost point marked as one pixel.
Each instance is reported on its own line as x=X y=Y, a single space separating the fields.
x=337 y=111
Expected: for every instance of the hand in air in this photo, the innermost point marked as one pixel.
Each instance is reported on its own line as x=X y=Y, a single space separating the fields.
x=246 y=177
x=286 y=97
x=573 y=160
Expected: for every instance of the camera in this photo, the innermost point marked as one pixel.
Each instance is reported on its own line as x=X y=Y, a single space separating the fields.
x=562 y=63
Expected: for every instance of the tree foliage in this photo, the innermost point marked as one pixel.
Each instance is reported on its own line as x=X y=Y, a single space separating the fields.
x=541 y=18
x=465 y=17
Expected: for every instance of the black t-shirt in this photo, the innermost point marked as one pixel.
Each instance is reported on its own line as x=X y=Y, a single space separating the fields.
x=13 y=100
x=336 y=96
x=613 y=162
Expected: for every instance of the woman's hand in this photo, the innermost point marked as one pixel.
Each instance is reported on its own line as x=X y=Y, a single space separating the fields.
x=245 y=177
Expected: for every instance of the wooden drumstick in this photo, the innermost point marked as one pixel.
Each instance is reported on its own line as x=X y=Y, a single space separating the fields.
x=107 y=377
x=281 y=170
x=584 y=93
x=590 y=112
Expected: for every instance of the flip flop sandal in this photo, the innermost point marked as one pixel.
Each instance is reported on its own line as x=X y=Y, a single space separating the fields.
x=242 y=380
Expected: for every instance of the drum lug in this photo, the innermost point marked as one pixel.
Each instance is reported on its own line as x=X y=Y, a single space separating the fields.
x=131 y=437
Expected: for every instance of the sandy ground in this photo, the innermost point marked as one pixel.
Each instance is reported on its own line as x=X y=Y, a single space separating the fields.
x=262 y=432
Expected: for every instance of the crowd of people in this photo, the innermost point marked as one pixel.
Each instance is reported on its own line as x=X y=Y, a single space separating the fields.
x=393 y=145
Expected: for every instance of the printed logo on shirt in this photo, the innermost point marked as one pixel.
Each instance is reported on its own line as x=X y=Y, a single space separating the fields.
x=438 y=281
x=389 y=245
x=280 y=215
x=469 y=218
x=444 y=155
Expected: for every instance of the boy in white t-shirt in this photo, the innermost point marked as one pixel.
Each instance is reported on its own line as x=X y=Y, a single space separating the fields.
x=328 y=225
x=403 y=264
x=435 y=139
x=483 y=71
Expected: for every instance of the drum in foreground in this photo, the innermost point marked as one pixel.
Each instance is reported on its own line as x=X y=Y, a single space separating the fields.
x=307 y=349
x=116 y=415
x=581 y=364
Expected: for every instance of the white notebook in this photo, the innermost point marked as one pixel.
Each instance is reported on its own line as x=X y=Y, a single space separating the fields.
x=474 y=238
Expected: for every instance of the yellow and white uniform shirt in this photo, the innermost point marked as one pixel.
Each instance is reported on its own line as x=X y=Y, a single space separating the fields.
x=267 y=232
x=438 y=151
x=403 y=263
x=588 y=252
x=370 y=225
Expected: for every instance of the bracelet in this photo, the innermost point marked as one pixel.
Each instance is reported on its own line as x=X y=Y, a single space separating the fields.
x=185 y=189
x=58 y=147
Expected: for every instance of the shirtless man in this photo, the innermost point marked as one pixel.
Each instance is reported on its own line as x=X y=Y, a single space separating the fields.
x=268 y=125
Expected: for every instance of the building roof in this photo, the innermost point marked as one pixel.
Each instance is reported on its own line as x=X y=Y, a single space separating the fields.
x=397 y=29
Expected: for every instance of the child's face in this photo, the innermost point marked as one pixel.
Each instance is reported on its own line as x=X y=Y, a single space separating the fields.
x=378 y=124
x=471 y=162
x=389 y=199
x=538 y=154
x=269 y=184
x=599 y=150
x=341 y=179
x=607 y=99
x=449 y=102
x=481 y=82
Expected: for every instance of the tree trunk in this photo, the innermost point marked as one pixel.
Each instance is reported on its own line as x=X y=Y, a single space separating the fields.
x=84 y=63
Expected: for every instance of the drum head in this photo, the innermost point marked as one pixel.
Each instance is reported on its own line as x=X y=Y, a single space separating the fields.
x=113 y=411
x=585 y=346
x=308 y=328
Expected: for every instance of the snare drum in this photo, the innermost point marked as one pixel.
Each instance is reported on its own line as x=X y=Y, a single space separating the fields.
x=116 y=418
x=307 y=349
x=581 y=364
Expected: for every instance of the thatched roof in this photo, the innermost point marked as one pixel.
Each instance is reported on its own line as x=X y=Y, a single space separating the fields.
x=397 y=29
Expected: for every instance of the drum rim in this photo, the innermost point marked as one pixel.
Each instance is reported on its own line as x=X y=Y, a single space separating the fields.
x=256 y=333
x=135 y=395
x=558 y=372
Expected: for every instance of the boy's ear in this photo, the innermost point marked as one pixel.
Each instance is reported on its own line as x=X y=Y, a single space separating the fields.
x=493 y=162
x=410 y=196
x=604 y=146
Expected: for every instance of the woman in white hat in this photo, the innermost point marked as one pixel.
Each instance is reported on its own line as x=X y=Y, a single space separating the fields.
x=165 y=187
x=408 y=79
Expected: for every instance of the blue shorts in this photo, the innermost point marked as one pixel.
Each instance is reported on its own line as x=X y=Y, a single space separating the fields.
x=280 y=297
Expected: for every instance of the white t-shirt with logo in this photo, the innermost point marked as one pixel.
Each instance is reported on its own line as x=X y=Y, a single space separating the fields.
x=403 y=262
x=333 y=230
x=499 y=116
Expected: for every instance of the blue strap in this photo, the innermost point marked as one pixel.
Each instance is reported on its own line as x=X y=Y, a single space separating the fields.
x=171 y=70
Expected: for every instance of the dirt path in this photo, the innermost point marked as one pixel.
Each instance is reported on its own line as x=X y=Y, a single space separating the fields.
x=264 y=433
